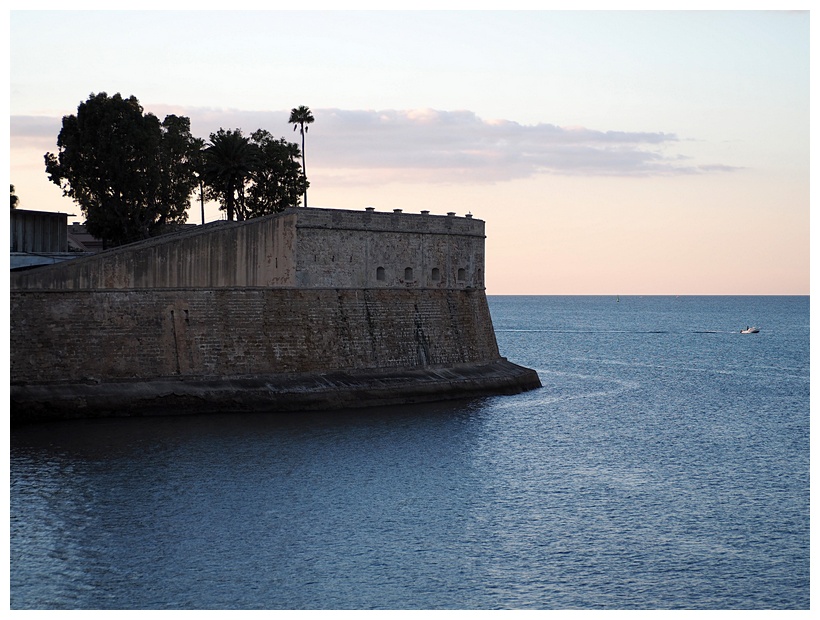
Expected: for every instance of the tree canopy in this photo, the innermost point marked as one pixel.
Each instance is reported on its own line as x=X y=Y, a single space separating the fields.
x=228 y=160
x=131 y=175
x=254 y=175
x=277 y=180
x=301 y=117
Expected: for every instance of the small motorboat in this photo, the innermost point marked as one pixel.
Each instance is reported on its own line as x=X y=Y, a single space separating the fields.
x=749 y=330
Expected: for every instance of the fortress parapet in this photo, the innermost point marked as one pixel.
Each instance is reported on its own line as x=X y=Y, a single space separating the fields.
x=300 y=248
x=307 y=309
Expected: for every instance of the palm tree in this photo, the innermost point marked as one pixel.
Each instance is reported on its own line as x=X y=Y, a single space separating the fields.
x=228 y=162
x=300 y=117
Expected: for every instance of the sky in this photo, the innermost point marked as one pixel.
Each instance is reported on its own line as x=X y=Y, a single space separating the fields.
x=608 y=152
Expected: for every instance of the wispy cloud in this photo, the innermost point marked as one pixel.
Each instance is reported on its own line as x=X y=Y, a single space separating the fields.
x=460 y=146
x=34 y=131
x=436 y=146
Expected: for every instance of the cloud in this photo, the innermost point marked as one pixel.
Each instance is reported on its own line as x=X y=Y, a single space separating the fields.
x=35 y=131
x=436 y=146
x=460 y=146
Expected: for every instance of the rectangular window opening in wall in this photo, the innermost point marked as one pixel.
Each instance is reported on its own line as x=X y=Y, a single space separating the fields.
x=462 y=274
x=408 y=274
x=435 y=276
x=380 y=274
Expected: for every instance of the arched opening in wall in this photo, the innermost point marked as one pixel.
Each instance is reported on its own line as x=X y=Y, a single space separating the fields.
x=462 y=274
x=380 y=274
x=408 y=274
x=435 y=276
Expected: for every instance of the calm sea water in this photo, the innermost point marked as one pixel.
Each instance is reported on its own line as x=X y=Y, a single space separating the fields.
x=664 y=465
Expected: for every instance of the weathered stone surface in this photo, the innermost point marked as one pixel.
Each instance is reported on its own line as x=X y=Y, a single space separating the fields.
x=305 y=248
x=311 y=308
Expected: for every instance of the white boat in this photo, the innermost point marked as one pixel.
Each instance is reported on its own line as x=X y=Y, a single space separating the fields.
x=749 y=330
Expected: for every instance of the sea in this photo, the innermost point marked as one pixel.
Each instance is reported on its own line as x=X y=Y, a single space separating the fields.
x=664 y=464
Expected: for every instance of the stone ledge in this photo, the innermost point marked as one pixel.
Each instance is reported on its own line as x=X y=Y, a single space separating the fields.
x=268 y=393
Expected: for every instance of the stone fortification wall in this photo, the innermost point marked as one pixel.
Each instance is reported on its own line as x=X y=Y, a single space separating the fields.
x=304 y=248
x=72 y=336
x=220 y=254
x=311 y=308
x=352 y=249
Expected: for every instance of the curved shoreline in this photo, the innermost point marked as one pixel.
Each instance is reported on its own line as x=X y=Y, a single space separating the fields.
x=275 y=393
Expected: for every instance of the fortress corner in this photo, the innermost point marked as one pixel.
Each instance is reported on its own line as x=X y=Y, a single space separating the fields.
x=307 y=309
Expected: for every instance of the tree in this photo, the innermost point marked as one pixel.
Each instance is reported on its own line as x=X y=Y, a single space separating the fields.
x=252 y=176
x=277 y=180
x=198 y=165
x=229 y=160
x=14 y=199
x=179 y=160
x=300 y=117
x=131 y=175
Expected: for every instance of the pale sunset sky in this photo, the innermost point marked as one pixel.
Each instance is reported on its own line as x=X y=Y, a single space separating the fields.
x=624 y=152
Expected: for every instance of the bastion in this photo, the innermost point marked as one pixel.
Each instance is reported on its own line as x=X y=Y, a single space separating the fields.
x=303 y=310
